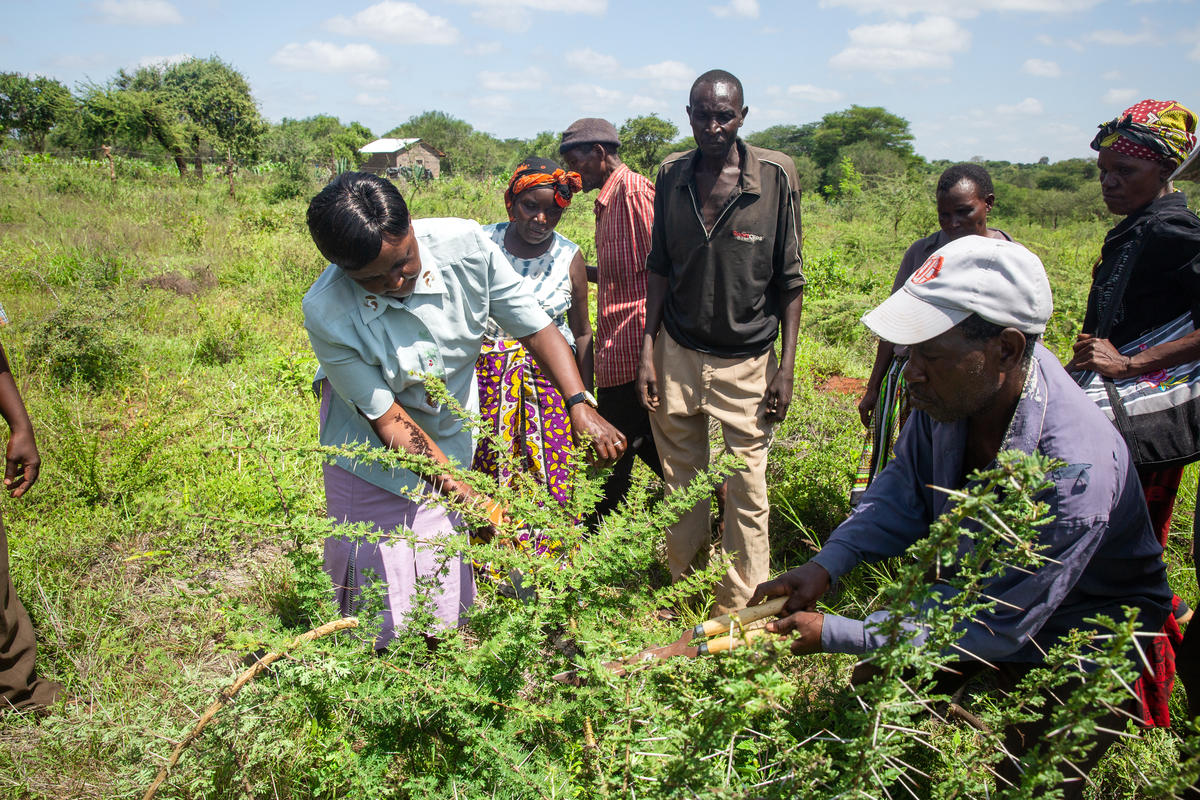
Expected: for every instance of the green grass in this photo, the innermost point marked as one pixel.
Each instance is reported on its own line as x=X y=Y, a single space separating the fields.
x=157 y=339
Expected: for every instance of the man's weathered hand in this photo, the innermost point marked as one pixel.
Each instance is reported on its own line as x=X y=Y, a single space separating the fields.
x=804 y=628
x=779 y=395
x=607 y=442
x=867 y=405
x=22 y=462
x=647 y=378
x=1099 y=355
x=803 y=585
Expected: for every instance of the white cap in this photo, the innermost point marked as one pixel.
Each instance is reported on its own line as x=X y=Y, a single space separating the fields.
x=1000 y=281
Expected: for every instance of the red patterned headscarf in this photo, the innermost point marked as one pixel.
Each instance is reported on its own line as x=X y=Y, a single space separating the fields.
x=1152 y=130
x=534 y=172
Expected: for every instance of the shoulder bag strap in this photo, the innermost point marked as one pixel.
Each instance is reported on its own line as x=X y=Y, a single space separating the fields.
x=1123 y=271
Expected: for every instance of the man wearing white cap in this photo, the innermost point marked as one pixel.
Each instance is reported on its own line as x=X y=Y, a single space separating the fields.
x=980 y=383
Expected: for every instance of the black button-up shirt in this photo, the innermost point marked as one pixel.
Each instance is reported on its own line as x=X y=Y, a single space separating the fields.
x=725 y=286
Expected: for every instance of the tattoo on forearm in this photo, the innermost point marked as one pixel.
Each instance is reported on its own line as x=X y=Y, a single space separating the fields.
x=420 y=443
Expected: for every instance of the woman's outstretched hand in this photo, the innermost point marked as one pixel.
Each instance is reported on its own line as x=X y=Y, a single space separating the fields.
x=608 y=443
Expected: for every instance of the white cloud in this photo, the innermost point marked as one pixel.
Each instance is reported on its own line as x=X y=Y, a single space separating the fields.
x=325 y=57
x=526 y=80
x=402 y=23
x=588 y=60
x=1119 y=96
x=589 y=97
x=594 y=7
x=737 y=8
x=492 y=102
x=513 y=15
x=672 y=75
x=1041 y=68
x=1112 y=75
x=806 y=91
x=483 y=49
x=509 y=18
x=164 y=61
x=901 y=46
x=83 y=61
x=367 y=99
x=954 y=8
x=666 y=75
x=640 y=102
x=377 y=82
x=1195 y=54
x=1115 y=38
x=138 y=12
x=1027 y=107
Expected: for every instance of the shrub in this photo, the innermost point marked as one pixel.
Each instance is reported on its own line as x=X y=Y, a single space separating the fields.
x=75 y=345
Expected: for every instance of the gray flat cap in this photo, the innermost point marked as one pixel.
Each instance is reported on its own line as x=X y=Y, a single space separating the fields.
x=589 y=130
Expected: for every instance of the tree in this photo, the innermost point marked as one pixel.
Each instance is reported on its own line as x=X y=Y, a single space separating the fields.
x=315 y=139
x=795 y=140
x=199 y=104
x=644 y=140
x=128 y=118
x=544 y=145
x=449 y=134
x=30 y=107
x=1068 y=175
x=215 y=100
x=872 y=124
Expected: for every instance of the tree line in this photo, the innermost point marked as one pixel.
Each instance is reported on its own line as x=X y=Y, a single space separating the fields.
x=201 y=110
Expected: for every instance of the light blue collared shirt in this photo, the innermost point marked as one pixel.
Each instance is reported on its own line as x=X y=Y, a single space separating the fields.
x=376 y=350
x=1101 y=551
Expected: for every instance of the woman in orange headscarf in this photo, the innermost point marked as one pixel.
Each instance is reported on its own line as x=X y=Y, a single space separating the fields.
x=530 y=431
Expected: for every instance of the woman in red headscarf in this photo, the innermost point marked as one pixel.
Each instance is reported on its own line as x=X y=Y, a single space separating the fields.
x=1156 y=250
x=530 y=431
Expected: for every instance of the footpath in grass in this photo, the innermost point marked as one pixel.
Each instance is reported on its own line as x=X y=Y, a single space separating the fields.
x=174 y=535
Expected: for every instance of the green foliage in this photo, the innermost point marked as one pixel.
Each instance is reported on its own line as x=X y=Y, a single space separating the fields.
x=544 y=145
x=78 y=344
x=469 y=153
x=201 y=105
x=294 y=181
x=317 y=139
x=871 y=124
x=848 y=183
x=644 y=142
x=177 y=527
x=31 y=106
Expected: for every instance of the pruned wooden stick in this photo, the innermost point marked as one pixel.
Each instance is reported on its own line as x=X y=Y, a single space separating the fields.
x=739 y=618
x=229 y=692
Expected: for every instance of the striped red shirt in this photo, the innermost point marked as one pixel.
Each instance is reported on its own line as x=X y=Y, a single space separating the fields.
x=624 y=217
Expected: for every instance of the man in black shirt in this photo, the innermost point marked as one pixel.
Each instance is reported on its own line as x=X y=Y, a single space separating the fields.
x=724 y=276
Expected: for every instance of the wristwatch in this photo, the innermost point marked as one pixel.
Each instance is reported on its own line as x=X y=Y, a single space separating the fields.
x=582 y=397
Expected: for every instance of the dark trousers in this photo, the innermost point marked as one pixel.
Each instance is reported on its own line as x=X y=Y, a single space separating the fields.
x=619 y=405
x=20 y=686
x=1187 y=655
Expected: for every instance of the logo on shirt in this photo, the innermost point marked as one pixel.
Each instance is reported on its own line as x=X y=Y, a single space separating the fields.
x=745 y=236
x=370 y=302
x=929 y=270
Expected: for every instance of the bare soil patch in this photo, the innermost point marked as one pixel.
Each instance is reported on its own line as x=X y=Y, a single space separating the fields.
x=840 y=384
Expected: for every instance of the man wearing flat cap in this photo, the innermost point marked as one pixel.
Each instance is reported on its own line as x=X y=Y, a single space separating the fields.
x=980 y=383
x=624 y=216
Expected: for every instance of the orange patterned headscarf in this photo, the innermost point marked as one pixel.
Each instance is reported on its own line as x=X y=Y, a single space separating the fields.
x=534 y=172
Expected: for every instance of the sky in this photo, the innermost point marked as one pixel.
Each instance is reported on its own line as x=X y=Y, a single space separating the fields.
x=1012 y=80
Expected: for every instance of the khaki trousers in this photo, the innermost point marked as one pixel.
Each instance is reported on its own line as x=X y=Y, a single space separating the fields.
x=692 y=387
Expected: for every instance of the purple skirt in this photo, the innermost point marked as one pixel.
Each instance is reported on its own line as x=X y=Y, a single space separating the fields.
x=414 y=559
